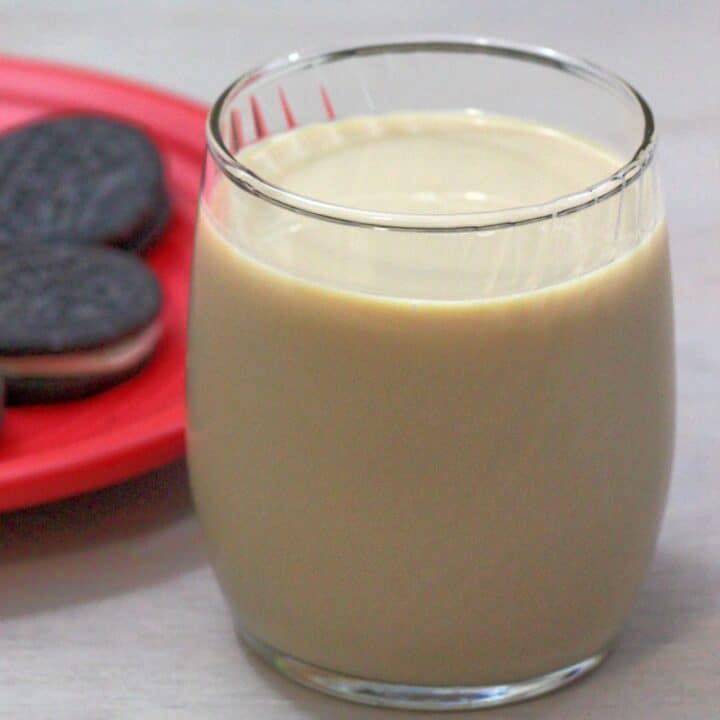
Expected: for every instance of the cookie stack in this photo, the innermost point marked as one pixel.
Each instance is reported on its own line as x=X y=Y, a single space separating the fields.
x=79 y=311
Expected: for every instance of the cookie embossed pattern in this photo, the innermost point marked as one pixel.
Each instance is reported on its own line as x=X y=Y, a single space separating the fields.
x=81 y=179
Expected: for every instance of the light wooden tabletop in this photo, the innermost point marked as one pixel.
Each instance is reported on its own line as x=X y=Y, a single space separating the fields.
x=107 y=606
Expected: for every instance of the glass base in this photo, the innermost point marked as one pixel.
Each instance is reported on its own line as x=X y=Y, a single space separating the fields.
x=417 y=697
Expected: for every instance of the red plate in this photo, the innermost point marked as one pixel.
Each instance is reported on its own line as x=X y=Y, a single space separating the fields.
x=52 y=451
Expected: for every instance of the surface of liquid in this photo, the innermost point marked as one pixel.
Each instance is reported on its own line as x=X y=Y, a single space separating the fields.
x=430 y=458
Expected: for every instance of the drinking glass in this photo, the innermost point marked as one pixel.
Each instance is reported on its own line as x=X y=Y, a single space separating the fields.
x=430 y=451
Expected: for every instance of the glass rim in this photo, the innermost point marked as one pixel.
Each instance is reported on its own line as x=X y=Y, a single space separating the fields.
x=249 y=181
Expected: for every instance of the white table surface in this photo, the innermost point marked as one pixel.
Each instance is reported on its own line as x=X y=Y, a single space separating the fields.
x=108 y=608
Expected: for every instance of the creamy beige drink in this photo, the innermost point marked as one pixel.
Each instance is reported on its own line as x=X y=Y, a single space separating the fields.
x=431 y=458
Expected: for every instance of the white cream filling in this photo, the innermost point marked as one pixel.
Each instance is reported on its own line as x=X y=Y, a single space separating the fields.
x=108 y=360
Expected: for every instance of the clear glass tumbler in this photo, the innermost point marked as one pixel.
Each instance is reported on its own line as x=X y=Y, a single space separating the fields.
x=429 y=448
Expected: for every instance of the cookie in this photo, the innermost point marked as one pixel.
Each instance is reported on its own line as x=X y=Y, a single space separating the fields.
x=73 y=320
x=81 y=179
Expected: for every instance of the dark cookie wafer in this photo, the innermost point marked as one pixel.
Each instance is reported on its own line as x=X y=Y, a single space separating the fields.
x=73 y=320
x=81 y=179
x=36 y=390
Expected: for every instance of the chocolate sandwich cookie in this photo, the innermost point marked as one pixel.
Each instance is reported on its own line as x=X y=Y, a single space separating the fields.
x=81 y=179
x=73 y=320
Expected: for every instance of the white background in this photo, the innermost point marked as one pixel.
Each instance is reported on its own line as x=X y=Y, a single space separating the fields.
x=107 y=606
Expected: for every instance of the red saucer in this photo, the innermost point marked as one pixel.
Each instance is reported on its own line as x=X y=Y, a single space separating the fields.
x=53 y=451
